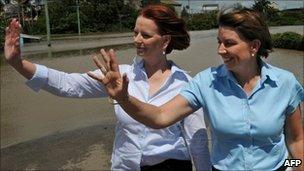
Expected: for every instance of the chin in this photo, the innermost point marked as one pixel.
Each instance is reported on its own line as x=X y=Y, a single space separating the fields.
x=140 y=53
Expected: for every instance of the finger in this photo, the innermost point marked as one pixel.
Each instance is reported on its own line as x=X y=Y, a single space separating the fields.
x=99 y=65
x=17 y=41
x=101 y=79
x=113 y=61
x=7 y=34
x=106 y=58
x=14 y=28
x=125 y=80
x=7 y=31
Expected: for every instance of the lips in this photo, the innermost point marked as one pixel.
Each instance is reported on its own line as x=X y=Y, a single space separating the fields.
x=140 y=49
x=227 y=60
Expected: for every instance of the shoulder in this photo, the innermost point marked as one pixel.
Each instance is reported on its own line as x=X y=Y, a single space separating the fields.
x=209 y=74
x=179 y=73
x=282 y=75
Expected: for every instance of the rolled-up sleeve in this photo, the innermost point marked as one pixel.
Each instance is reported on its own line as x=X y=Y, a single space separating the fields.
x=74 y=85
x=39 y=79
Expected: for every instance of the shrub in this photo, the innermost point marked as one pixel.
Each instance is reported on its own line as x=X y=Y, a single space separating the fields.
x=2 y=32
x=202 y=21
x=288 y=17
x=288 y=40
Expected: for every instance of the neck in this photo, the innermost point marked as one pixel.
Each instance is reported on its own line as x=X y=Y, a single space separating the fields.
x=248 y=74
x=153 y=66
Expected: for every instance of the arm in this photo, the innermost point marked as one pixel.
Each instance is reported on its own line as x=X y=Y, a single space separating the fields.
x=12 y=51
x=73 y=85
x=150 y=115
x=294 y=135
x=197 y=140
x=56 y=82
x=157 y=117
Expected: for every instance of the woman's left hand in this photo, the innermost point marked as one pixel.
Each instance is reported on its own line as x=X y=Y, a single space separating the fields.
x=115 y=84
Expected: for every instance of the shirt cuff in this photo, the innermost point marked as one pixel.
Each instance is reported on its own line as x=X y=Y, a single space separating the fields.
x=39 y=78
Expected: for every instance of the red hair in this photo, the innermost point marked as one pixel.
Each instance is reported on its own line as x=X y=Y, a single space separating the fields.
x=168 y=24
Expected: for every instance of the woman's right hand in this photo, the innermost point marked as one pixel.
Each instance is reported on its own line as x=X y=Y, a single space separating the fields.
x=115 y=84
x=12 y=46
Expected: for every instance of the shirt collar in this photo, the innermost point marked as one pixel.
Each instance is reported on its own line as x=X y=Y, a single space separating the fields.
x=138 y=65
x=266 y=72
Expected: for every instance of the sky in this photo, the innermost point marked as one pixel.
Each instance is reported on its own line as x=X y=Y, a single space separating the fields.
x=196 y=5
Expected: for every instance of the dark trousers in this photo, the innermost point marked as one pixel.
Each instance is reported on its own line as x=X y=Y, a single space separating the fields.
x=169 y=165
x=282 y=168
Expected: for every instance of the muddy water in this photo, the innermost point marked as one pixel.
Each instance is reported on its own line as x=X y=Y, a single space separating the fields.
x=78 y=133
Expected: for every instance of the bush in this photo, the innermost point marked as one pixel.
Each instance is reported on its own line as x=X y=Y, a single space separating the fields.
x=2 y=32
x=288 y=40
x=203 y=21
x=282 y=18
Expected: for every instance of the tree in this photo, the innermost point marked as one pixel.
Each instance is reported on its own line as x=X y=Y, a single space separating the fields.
x=184 y=14
x=265 y=8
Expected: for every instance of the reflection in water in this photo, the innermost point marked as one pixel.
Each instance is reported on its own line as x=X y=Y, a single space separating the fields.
x=78 y=52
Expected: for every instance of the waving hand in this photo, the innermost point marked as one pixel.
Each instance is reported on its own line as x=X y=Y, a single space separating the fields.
x=115 y=84
x=12 y=46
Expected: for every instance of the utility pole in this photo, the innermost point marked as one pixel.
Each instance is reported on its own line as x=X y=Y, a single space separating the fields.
x=47 y=20
x=78 y=17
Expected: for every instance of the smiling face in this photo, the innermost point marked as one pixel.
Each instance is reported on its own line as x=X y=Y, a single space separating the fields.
x=235 y=51
x=148 y=41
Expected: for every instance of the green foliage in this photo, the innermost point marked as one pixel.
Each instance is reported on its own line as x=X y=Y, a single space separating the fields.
x=264 y=7
x=37 y=27
x=288 y=40
x=184 y=14
x=147 y=2
x=275 y=17
x=95 y=16
x=108 y=16
x=288 y=18
x=202 y=21
x=2 y=31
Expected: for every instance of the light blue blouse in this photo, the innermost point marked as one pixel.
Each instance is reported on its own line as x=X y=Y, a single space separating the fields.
x=247 y=131
x=135 y=144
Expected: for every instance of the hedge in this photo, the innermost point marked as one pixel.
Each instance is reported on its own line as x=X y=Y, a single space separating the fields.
x=288 y=40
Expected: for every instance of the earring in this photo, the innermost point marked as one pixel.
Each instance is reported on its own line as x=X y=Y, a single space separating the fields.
x=252 y=54
x=164 y=52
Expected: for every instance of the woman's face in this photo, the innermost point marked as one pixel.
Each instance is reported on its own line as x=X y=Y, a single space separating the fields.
x=148 y=41
x=235 y=51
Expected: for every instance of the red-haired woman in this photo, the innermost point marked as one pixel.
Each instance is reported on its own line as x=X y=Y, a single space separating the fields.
x=153 y=79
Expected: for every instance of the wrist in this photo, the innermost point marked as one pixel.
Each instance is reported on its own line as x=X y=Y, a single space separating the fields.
x=15 y=62
x=122 y=99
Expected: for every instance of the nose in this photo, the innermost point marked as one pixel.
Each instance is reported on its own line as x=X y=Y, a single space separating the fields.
x=138 y=38
x=221 y=50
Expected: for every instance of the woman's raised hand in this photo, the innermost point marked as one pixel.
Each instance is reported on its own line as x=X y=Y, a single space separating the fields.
x=115 y=84
x=12 y=46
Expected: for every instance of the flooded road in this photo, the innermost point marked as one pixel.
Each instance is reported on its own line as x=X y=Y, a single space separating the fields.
x=42 y=131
